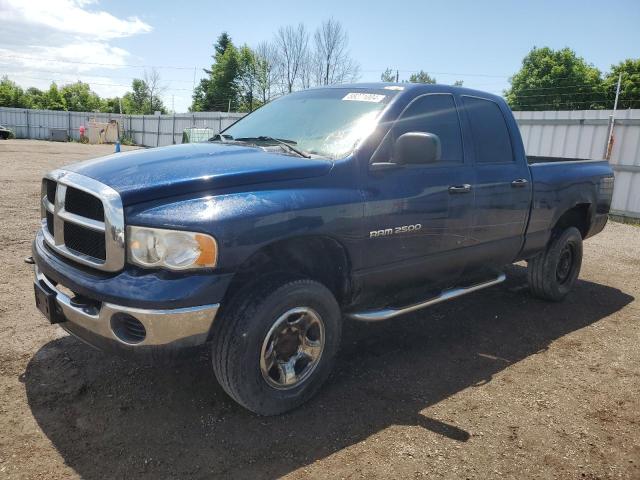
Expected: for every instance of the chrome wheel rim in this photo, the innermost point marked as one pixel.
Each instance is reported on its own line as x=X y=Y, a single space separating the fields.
x=292 y=348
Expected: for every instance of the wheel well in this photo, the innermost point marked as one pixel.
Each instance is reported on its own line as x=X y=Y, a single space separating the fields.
x=578 y=217
x=318 y=258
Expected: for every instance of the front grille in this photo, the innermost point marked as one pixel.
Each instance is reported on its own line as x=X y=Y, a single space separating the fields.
x=83 y=220
x=50 y=223
x=84 y=204
x=83 y=240
x=51 y=190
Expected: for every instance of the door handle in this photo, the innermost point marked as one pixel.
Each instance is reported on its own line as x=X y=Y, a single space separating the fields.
x=520 y=182
x=464 y=188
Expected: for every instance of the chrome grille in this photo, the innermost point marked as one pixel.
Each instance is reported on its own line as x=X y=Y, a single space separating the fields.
x=85 y=241
x=85 y=220
x=83 y=204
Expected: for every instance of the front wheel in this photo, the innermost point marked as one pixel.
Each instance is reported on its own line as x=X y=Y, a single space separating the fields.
x=553 y=272
x=275 y=345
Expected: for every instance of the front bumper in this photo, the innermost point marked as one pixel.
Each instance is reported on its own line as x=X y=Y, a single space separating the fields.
x=133 y=287
x=93 y=322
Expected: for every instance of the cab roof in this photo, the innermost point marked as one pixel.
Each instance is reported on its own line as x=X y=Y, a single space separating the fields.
x=414 y=87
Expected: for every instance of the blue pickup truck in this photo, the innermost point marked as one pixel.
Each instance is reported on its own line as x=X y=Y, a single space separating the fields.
x=361 y=201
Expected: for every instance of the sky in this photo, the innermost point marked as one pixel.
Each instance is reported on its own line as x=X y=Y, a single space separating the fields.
x=108 y=43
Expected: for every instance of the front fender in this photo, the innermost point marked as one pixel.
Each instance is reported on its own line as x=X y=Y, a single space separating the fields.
x=244 y=222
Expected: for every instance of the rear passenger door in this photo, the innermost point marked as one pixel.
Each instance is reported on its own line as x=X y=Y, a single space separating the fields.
x=502 y=186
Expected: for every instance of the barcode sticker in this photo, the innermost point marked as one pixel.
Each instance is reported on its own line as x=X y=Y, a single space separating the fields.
x=363 y=97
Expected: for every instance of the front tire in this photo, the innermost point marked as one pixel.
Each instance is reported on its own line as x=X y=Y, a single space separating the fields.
x=275 y=344
x=553 y=272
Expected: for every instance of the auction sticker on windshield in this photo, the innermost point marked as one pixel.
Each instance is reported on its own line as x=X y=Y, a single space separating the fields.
x=364 y=97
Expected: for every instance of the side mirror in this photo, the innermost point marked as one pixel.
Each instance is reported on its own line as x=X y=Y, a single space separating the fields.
x=416 y=148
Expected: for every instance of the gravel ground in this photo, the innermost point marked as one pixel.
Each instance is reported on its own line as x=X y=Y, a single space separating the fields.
x=494 y=385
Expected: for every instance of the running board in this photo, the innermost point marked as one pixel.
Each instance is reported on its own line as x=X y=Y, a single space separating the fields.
x=387 y=313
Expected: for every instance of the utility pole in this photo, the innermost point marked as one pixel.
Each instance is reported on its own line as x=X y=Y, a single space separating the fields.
x=612 y=120
x=397 y=76
x=121 y=127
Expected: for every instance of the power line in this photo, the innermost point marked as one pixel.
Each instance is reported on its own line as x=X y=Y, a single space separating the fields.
x=559 y=87
x=567 y=103
x=571 y=94
x=430 y=72
x=96 y=75
x=98 y=83
x=177 y=67
x=96 y=63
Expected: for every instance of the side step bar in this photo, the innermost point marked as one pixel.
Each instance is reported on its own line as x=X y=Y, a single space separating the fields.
x=387 y=313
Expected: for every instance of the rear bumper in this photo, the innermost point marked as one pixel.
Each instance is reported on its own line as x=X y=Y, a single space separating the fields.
x=93 y=322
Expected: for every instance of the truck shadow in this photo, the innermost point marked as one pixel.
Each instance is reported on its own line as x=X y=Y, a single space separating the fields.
x=110 y=417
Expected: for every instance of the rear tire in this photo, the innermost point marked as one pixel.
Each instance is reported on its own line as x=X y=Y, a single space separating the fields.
x=553 y=272
x=275 y=345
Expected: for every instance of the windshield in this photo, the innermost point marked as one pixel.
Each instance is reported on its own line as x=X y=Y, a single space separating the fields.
x=327 y=122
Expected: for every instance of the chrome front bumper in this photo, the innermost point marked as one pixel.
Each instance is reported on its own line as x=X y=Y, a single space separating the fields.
x=181 y=327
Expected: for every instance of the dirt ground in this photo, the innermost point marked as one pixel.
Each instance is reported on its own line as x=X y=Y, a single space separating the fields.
x=494 y=385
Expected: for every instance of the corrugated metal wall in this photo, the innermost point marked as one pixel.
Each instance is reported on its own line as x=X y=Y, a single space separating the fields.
x=583 y=134
x=578 y=133
x=147 y=130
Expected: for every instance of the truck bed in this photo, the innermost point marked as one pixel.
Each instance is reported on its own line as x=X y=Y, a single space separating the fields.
x=533 y=159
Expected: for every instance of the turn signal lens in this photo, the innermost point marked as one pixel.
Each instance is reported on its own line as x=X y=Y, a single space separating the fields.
x=208 y=250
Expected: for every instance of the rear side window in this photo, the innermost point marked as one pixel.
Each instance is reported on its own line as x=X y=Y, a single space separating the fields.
x=437 y=114
x=489 y=129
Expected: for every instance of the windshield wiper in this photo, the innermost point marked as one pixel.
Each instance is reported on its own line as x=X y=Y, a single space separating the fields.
x=280 y=141
x=219 y=137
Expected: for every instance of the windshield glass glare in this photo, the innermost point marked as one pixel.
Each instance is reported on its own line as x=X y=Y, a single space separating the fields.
x=326 y=122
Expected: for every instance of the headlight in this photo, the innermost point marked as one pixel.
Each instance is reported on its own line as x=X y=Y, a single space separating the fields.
x=173 y=249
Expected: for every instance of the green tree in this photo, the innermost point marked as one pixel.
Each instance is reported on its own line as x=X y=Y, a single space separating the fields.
x=629 y=86
x=110 y=105
x=388 y=76
x=555 y=80
x=11 y=95
x=134 y=102
x=139 y=101
x=55 y=100
x=458 y=83
x=248 y=76
x=78 y=97
x=421 y=77
x=219 y=90
x=267 y=71
x=223 y=42
x=36 y=98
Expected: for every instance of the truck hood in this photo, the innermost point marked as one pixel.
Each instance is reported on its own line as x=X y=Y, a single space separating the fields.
x=143 y=175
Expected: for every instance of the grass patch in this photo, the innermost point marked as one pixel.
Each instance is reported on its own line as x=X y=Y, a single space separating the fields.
x=623 y=219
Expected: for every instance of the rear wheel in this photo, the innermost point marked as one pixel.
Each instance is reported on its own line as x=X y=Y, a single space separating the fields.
x=275 y=344
x=553 y=272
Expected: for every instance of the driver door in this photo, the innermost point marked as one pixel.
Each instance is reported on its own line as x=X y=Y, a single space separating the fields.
x=419 y=216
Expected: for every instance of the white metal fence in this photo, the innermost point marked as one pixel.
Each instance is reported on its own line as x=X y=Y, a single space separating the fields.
x=147 y=130
x=578 y=133
x=583 y=134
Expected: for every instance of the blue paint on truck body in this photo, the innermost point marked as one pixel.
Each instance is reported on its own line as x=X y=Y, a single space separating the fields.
x=250 y=199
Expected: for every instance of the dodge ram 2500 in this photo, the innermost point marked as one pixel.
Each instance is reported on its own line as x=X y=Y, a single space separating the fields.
x=359 y=201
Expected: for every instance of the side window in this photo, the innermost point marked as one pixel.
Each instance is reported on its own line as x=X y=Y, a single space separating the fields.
x=489 y=129
x=437 y=114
